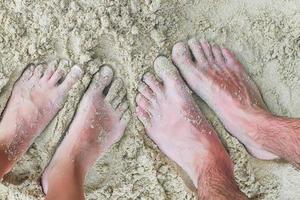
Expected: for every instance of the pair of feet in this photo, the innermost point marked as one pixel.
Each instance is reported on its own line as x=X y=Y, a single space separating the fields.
x=37 y=97
x=175 y=123
x=170 y=115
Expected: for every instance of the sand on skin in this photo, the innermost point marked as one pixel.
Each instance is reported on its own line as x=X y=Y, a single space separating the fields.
x=129 y=35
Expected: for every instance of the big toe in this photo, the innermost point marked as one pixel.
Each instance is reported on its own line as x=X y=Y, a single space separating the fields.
x=102 y=79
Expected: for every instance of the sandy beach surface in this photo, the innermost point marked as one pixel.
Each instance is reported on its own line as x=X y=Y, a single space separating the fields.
x=128 y=35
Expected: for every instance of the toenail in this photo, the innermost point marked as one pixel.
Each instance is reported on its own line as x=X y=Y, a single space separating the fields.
x=31 y=66
x=182 y=51
x=118 y=83
x=77 y=71
x=63 y=63
x=53 y=63
x=138 y=97
x=147 y=75
x=106 y=71
x=142 y=87
x=40 y=66
x=193 y=40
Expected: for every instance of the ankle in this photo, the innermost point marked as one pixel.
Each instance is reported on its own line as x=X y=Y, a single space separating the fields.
x=258 y=120
x=5 y=164
x=60 y=169
x=216 y=181
x=216 y=161
x=251 y=120
x=65 y=172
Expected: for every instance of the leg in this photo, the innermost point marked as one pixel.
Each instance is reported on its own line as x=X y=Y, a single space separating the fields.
x=35 y=100
x=175 y=123
x=99 y=122
x=221 y=80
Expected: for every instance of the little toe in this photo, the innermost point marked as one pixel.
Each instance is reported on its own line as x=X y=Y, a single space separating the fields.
x=228 y=55
x=102 y=79
x=207 y=50
x=38 y=71
x=73 y=76
x=231 y=61
x=182 y=56
x=143 y=116
x=218 y=55
x=114 y=90
x=197 y=51
x=118 y=99
x=28 y=72
x=153 y=83
x=146 y=91
x=143 y=103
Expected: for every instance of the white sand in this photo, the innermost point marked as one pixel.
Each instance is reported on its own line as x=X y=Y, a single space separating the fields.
x=128 y=35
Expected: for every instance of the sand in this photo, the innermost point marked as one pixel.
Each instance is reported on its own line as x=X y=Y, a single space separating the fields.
x=129 y=35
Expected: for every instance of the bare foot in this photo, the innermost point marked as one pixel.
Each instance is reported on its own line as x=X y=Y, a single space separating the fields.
x=175 y=123
x=220 y=79
x=99 y=122
x=36 y=98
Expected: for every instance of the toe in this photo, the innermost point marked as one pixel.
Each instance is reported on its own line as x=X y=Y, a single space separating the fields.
x=102 y=79
x=28 y=72
x=44 y=183
x=50 y=70
x=122 y=108
x=73 y=76
x=118 y=99
x=126 y=117
x=170 y=76
x=56 y=77
x=197 y=51
x=146 y=91
x=53 y=63
x=143 y=116
x=38 y=71
x=228 y=55
x=114 y=90
x=183 y=60
x=143 y=103
x=218 y=55
x=166 y=70
x=63 y=63
x=182 y=56
x=153 y=83
x=207 y=50
x=231 y=61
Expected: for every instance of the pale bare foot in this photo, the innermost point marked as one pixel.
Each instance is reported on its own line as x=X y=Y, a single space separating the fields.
x=99 y=122
x=36 y=98
x=220 y=79
x=175 y=123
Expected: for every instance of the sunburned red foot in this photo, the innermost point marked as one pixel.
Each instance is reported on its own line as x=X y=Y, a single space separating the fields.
x=175 y=123
x=220 y=79
x=36 y=98
x=99 y=122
